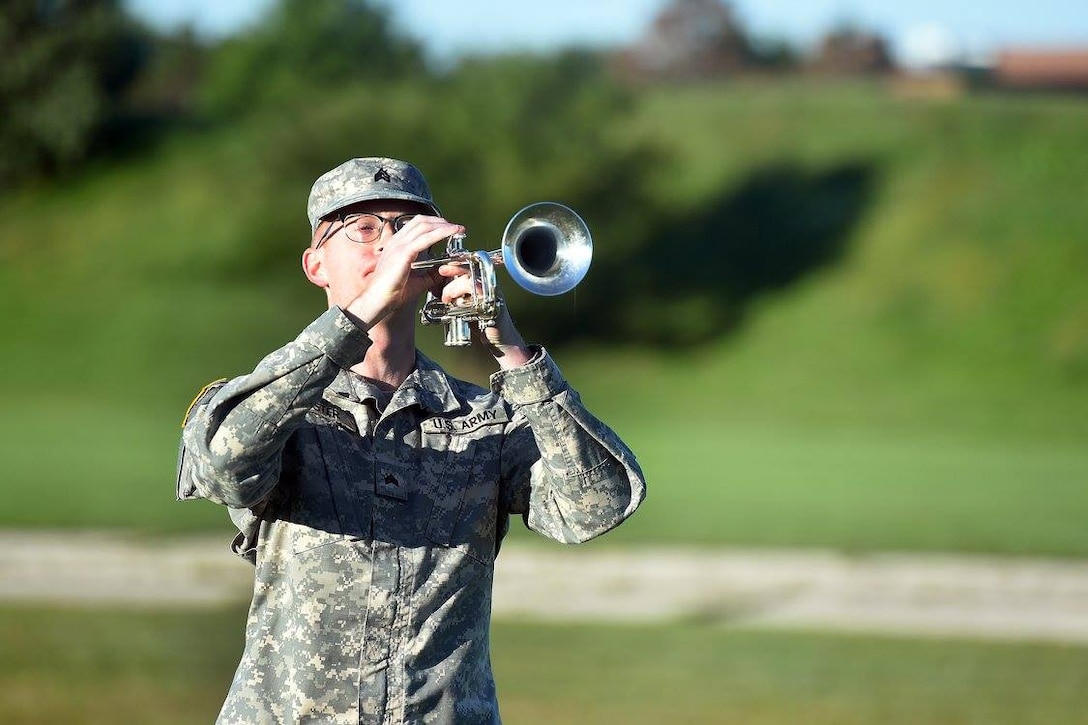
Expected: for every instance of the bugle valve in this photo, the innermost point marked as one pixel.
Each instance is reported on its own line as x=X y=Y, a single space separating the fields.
x=546 y=248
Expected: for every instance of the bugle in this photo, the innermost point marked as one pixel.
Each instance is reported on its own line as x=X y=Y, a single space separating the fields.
x=546 y=248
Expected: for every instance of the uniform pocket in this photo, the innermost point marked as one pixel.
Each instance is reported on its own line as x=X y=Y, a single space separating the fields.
x=446 y=476
x=323 y=507
x=465 y=506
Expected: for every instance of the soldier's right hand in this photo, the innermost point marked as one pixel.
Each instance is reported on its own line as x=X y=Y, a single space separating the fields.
x=389 y=283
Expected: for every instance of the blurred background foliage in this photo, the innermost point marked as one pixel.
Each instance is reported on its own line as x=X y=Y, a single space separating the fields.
x=304 y=47
x=778 y=259
x=66 y=69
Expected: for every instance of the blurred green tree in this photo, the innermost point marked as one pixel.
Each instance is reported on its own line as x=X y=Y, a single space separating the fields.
x=66 y=66
x=306 y=44
x=168 y=87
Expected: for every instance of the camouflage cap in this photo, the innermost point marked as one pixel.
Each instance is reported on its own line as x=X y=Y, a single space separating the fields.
x=365 y=179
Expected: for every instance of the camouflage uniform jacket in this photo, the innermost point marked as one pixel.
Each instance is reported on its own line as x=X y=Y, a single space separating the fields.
x=374 y=537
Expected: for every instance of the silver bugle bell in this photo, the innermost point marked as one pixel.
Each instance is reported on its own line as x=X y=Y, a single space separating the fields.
x=546 y=248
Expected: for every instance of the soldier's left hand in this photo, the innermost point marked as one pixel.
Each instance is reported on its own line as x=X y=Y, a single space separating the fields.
x=502 y=338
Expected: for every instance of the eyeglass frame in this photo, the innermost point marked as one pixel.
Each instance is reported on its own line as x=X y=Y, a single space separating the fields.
x=398 y=222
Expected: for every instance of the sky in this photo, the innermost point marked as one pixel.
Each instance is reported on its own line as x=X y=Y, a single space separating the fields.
x=921 y=32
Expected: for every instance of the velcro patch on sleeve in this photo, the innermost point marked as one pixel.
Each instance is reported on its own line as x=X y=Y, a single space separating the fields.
x=205 y=393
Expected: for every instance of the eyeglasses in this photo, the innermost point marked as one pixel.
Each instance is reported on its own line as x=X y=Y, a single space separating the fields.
x=365 y=228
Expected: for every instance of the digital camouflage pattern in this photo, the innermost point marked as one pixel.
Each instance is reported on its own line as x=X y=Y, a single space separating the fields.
x=374 y=535
x=358 y=180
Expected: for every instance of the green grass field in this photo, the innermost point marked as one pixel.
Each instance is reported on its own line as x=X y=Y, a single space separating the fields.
x=722 y=484
x=96 y=667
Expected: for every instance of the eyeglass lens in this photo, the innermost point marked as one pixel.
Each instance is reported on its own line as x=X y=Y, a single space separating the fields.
x=368 y=227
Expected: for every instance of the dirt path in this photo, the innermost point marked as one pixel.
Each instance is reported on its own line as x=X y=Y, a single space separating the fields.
x=984 y=597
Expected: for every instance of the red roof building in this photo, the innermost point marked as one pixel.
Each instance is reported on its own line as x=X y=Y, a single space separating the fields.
x=1042 y=69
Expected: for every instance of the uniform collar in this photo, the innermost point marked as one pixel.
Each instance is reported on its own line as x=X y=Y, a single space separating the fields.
x=427 y=386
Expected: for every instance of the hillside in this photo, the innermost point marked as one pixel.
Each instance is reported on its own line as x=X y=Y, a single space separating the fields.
x=957 y=296
x=905 y=289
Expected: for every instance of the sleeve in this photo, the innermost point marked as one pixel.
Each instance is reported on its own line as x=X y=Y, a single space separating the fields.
x=566 y=472
x=232 y=443
x=186 y=485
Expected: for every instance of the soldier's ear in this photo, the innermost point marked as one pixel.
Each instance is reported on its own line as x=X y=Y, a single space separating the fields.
x=313 y=264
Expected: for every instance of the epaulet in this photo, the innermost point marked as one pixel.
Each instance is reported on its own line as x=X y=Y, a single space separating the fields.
x=205 y=393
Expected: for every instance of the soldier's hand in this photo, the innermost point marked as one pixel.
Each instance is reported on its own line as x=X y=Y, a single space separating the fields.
x=502 y=338
x=393 y=284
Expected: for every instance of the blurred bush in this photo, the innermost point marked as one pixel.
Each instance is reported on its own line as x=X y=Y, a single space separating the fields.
x=303 y=46
x=66 y=67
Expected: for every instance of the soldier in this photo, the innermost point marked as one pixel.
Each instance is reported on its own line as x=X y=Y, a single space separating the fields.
x=372 y=490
